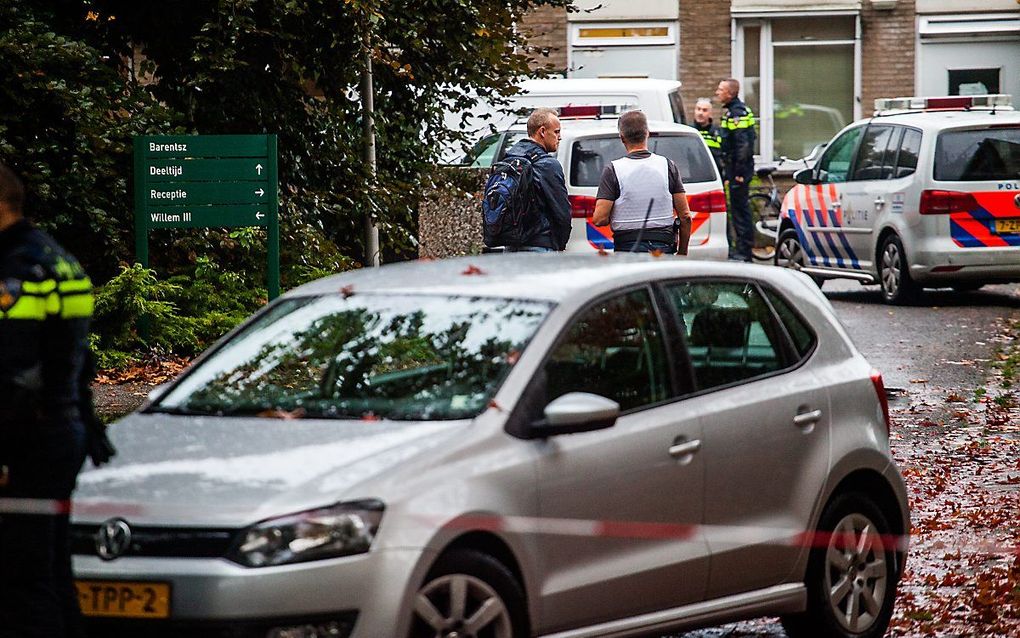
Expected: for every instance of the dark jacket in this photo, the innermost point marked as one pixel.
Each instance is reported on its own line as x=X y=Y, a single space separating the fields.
x=738 y=131
x=45 y=305
x=553 y=227
x=713 y=138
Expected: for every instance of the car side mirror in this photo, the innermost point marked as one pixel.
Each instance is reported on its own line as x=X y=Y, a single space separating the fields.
x=804 y=176
x=576 y=412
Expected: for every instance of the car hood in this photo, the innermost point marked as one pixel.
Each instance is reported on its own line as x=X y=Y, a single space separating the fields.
x=220 y=471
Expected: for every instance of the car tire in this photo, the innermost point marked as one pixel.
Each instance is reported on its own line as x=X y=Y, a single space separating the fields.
x=469 y=593
x=790 y=253
x=842 y=579
x=894 y=273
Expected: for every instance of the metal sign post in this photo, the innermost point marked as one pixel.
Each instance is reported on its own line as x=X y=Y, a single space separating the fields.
x=200 y=181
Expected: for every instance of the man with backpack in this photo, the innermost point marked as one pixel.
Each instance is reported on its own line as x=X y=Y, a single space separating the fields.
x=525 y=206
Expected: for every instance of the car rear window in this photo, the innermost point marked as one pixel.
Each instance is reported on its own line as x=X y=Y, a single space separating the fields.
x=590 y=155
x=978 y=155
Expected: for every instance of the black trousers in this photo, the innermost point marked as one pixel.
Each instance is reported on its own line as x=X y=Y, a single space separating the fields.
x=740 y=216
x=37 y=594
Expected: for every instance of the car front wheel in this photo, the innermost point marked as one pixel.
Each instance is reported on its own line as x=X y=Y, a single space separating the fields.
x=894 y=274
x=468 y=594
x=852 y=576
x=790 y=253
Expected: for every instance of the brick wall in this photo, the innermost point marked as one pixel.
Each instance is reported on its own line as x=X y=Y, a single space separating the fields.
x=547 y=29
x=704 y=50
x=887 y=52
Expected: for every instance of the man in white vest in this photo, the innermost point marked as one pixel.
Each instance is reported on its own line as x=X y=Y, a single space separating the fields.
x=641 y=197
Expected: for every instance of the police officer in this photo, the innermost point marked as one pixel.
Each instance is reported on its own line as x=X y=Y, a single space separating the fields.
x=709 y=132
x=45 y=306
x=641 y=196
x=738 y=131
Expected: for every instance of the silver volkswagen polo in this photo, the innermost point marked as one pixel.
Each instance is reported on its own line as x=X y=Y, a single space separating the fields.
x=506 y=446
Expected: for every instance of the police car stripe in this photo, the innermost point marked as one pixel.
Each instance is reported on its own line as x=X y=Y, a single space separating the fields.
x=820 y=206
x=597 y=237
x=799 y=226
x=809 y=213
x=851 y=255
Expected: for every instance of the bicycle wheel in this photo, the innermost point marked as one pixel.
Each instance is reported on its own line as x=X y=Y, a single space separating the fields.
x=765 y=217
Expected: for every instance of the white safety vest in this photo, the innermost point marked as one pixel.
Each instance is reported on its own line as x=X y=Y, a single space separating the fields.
x=642 y=180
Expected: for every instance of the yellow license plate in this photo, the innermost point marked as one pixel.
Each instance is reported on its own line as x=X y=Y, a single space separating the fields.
x=123 y=599
x=1003 y=226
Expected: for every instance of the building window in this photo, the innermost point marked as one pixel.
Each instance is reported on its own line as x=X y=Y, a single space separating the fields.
x=801 y=76
x=623 y=50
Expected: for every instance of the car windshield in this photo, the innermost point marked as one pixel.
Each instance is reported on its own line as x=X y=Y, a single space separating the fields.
x=590 y=155
x=402 y=357
x=978 y=155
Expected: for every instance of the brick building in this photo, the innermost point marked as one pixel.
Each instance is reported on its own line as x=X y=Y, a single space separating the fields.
x=807 y=67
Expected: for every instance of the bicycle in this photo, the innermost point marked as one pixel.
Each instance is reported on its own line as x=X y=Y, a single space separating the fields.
x=766 y=204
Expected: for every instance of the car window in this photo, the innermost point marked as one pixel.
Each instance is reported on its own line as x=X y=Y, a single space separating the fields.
x=731 y=335
x=403 y=357
x=834 y=166
x=483 y=153
x=802 y=336
x=615 y=349
x=906 y=160
x=877 y=153
x=978 y=155
x=676 y=103
x=590 y=155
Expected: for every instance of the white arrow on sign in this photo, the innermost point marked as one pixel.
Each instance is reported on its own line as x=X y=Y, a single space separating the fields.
x=258 y=168
x=260 y=192
x=259 y=215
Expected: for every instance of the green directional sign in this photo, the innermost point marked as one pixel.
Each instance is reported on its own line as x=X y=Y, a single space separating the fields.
x=200 y=181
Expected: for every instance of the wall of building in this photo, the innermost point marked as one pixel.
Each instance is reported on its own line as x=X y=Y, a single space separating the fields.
x=547 y=29
x=704 y=49
x=887 y=53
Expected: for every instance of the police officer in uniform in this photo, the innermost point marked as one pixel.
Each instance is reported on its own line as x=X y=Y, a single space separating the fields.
x=738 y=131
x=45 y=306
x=709 y=132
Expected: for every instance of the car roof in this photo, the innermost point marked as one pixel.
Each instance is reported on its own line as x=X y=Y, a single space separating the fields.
x=582 y=126
x=554 y=277
x=590 y=85
x=938 y=120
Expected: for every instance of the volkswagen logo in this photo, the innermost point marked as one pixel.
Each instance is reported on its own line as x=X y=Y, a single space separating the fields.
x=113 y=538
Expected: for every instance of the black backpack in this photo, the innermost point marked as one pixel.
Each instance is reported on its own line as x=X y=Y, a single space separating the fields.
x=508 y=203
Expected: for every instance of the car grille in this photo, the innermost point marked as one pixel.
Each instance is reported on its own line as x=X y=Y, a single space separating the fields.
x=175 y=542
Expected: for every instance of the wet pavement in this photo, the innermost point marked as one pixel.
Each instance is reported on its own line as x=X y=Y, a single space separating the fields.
x=936 y=358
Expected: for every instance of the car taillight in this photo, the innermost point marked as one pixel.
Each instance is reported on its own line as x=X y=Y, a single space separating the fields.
x=710 y=202
x=582 y=206
x=937 y=202
x=876 y=380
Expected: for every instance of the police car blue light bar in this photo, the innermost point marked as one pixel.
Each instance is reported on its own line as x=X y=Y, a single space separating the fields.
x=946 y=102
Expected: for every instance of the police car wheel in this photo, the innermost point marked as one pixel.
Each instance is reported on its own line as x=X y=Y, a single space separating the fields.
x=894 y=273
x=852 y=573
x=790 y=253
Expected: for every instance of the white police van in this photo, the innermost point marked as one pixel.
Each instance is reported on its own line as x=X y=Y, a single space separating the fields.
x=924 y=194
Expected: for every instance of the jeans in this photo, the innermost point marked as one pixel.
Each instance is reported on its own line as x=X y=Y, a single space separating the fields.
x=740 y=218
x=645 y=246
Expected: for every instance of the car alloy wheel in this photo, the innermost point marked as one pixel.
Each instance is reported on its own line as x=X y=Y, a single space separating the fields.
x=894 y=275
x=468 y=594
x=856 y=576
x=790 y=253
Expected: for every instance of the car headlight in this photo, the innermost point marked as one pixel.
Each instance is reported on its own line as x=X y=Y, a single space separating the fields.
x=328 y=532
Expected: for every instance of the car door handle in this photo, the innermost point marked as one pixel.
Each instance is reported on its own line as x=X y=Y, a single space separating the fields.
x=805 y=419
x=681 y=449
x=879 y=202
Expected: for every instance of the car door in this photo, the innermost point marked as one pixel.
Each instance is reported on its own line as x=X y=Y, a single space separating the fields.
x=816 y=210
x=765 y=430
x=868 y=196
x=621 y=506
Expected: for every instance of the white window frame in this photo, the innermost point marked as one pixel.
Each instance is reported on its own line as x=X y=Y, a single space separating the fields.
x=766 y=95
x=671 y=39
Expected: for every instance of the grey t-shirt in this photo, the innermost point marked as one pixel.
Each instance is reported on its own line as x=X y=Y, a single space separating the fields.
x=609 y=185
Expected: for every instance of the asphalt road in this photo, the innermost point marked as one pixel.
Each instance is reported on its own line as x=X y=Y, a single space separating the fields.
x=940 y=346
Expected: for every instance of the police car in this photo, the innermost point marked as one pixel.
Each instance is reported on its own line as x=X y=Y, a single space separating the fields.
x=924 y=194
x=590 y=140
